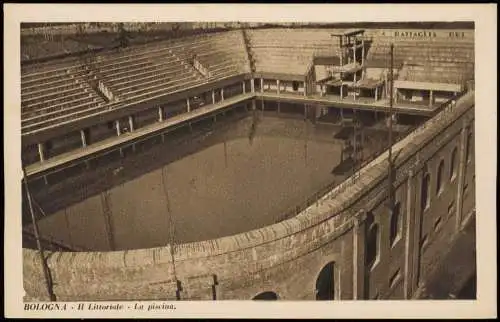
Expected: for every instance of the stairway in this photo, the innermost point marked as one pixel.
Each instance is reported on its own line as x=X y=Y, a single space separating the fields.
x=93 y=78
x=248 y=48
x=188 y=67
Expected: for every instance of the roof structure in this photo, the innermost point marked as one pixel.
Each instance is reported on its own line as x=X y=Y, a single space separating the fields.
x=349 y=33
x=428 y=86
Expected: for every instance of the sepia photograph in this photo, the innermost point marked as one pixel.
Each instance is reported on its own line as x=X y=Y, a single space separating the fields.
x=243 y=160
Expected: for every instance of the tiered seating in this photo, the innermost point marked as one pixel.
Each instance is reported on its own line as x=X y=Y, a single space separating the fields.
x=440 y=61
x=55 y=92
x=435 y=72
x=135 y=74
x=52 y=94
x=440 y=48
x=289 y=51
x=223 y=54
x=378 y=56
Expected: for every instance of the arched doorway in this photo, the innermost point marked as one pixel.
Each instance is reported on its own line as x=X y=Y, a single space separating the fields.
x=325 y=283
x=266 y=296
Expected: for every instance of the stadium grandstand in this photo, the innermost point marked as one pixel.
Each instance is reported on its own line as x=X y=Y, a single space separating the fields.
x=206 y=159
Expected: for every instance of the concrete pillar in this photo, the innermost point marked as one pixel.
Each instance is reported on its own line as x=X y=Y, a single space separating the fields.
x=409 y=241
x=396 y=94
x=222 y=94
x=117 y=125
x=278 y=106
x=213 y=97
x=341 y=54
x=131 y=123
x=305 y=89
x=461 y=173
x=341 y=91
x=262 y=85
x=363 y=54
x=358 y=256
x=386 y=82
x=188 y=106
x=321 y=88
x=252 y=85
x=376 y=93
x=84 y=139
x=278 y=86
x=243 y=86
x=416 y=236
x=41 y=152
x=355 y=260
x=160 y=114
x=354 y=50
x=431 y=98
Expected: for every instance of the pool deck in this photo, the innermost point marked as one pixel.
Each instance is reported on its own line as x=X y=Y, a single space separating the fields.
x=129 y=138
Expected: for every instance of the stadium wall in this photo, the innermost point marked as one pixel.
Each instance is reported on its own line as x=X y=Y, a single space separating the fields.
x=286 y=258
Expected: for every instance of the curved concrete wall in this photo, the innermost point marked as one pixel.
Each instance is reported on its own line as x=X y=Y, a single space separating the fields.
x=287 y=257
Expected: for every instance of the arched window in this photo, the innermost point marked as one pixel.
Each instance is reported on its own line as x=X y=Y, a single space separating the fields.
x=266 y=296
x=468 y=147
x=425 y=191
x=396 y=223
x=453 y=164
x=439 y=179
x=372 y=241
x=325 y=283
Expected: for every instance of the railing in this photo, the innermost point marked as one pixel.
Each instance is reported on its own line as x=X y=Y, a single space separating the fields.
x=334 y=188
x=314 y=198
x=200 y=68
x=105 y=91
x=246 y=41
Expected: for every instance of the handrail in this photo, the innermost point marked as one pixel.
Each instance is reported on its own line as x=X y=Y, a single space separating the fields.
x=323 y=192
